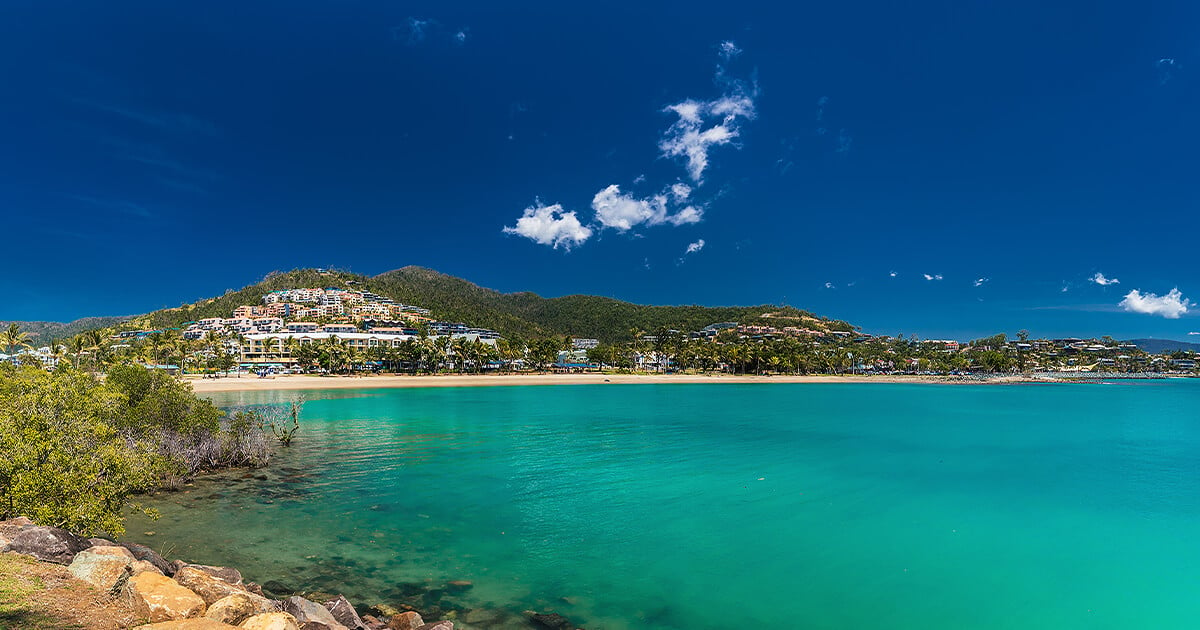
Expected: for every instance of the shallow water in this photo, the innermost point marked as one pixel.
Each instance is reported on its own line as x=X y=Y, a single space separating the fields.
x=690 y=506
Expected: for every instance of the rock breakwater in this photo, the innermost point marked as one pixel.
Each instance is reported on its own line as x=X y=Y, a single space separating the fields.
x=177 y=595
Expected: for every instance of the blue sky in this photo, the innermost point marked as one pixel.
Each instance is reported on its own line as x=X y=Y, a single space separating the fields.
x=947 y=169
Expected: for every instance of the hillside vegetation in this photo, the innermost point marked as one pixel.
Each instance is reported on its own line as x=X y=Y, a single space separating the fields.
x=516 y=315
x=41 y=333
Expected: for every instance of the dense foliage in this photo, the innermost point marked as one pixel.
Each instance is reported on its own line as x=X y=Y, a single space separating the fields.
x=74 y=448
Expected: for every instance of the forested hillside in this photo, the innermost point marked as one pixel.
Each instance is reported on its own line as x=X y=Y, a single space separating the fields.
x=520 y=315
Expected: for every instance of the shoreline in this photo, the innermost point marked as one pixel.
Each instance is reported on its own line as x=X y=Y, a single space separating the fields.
x=308 y=381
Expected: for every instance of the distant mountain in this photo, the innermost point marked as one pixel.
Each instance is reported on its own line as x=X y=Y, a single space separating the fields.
x=41 y=333
x=1159 y=346
x=511 y=314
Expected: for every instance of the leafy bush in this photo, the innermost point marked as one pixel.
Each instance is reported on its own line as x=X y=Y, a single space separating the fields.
x=74 y=448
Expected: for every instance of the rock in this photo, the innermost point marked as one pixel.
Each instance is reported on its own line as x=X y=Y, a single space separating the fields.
x=271 y=621
x=20 y=521
x=187 y=624
x=106 y=568
x=406 y=621
x=141 y=566
x=344 y=613
x=236 y=608
x=146 y=554
x=225 y=574
x=384 y=610
x=112 y=551
x=483 y=616
x=204 y=584
x=440 y=625
x=458 y=586
x=374 y=623
x=305 y=611
x=253 y=588
x=101 y=542
x=162 y=599
x=554 y=621
x=278 y=589
x=48 y=544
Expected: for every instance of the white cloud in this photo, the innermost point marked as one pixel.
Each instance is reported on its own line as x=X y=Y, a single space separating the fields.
x=937 y=276
x=623 y=212
x=892 y=274
x=692 y=248
x=829 y=285
x=681 y=191
x=1102 y=281
x=1194 y=333
x=980 y=281
x=1170 y=306
x=706 y=124
x=550 y=225
x=729 y=50
x=461 y=36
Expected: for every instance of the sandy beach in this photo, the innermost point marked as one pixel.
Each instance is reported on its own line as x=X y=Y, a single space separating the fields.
x=252 y=383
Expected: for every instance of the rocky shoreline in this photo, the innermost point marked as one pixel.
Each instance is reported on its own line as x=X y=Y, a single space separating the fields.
x=177 y=595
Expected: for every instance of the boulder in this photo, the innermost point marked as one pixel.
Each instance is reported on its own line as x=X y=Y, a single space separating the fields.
x=305 y=611
x=48 y=544
x=406 y=621
x=554 y=621
x=146 y=554
x=204 y=584
x=271 y=621
x=101 y=542
x=344 y=613
x=236 y=608
x=160 y=598
x=438 y=625
x=106 y=568
x=225 y=574
x=374 y=623
x=187 y=624
x=141 y=566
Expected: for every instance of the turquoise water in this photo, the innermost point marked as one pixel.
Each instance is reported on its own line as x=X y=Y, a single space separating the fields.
x=692 y=506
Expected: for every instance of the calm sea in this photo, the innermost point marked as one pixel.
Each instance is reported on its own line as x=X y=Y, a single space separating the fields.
x=714 y=506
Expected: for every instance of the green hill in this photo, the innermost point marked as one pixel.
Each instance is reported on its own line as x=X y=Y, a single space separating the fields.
x=41 y=333
x=527 y=314
x=523 y=315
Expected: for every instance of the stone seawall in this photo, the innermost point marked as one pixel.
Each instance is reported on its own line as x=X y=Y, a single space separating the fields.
x=177 y=595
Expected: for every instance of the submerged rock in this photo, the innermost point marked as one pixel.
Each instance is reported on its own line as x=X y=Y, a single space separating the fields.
x=554 y=621
x=106 y=568
x=160 y=598
x=278 y=589
x=48 y=544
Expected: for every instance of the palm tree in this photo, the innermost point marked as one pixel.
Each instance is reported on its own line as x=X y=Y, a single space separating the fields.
x=13 y=339
x=94 y=339
x=76 y=345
